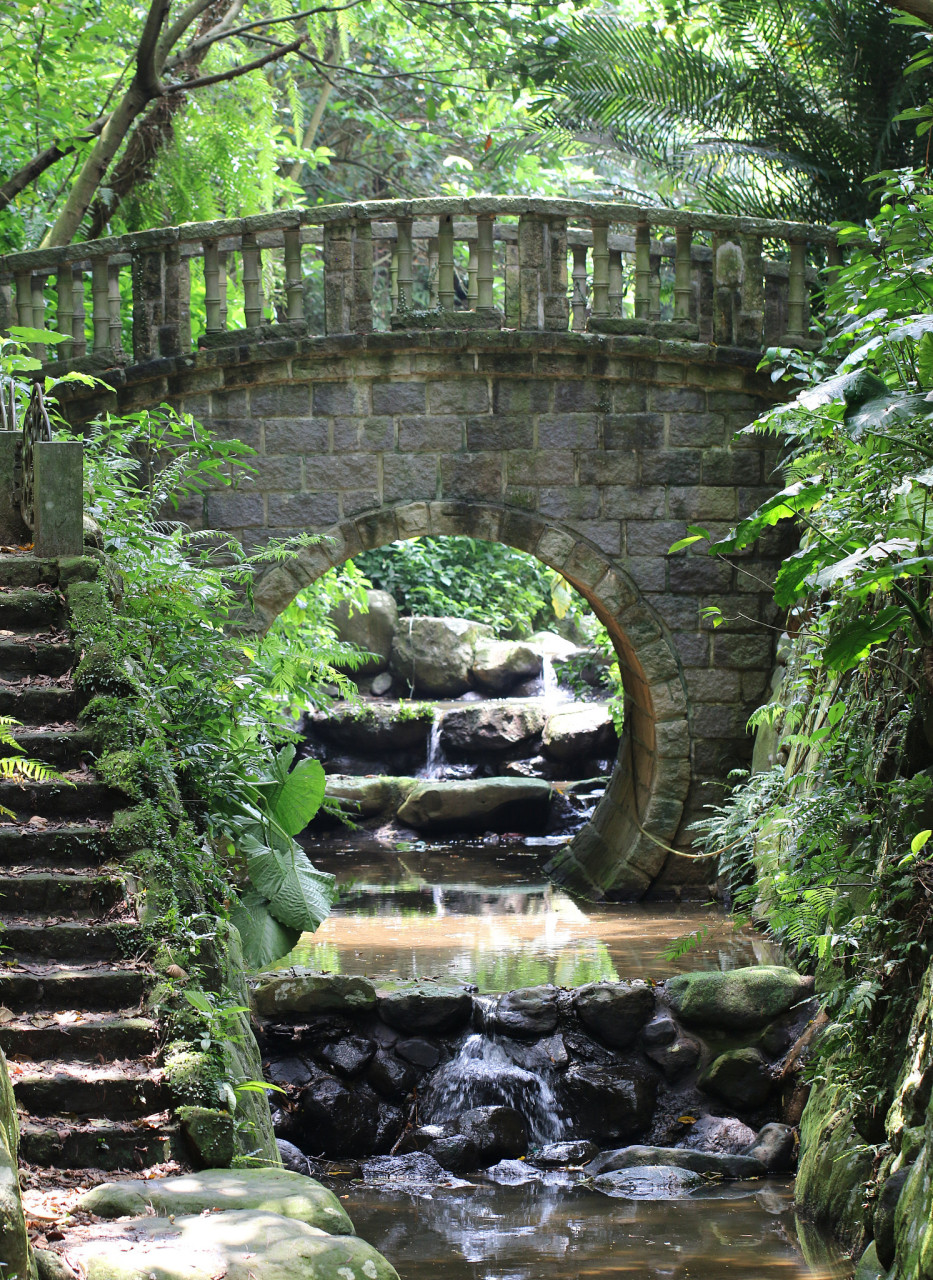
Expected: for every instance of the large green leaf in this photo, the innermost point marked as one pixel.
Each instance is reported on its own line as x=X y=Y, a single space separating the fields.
x=300 y=797
x=790 y=502
x=305 y=897
x=264 y=938
x=854 y=642
x=884 y=412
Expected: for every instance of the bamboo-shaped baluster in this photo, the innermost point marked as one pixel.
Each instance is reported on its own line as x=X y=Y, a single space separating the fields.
x=472 y=268
x=654 y=305
x=252 y=281
x=23 y=281
x=683 y=287
x=578 y=289
x=294 y=291
x=64 y=321
x=600 y=268
x=433 y=259
x=100 y=303
x=798 y=317
x=212 y=322
x=445 y=263
x=484 y=261
x=38 y=313
x=113 y=307
x=616 y=282
x=222 y=287
x=642 y=270
x=833 y=256
x=405 y=276
x=78 y=313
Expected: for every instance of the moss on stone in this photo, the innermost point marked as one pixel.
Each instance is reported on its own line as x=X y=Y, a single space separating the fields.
x=209 y=1133
x=836 y=1168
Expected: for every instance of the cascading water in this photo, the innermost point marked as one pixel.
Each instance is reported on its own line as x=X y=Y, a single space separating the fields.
x=550 y=690
x=487 y=1071
x=435 y=761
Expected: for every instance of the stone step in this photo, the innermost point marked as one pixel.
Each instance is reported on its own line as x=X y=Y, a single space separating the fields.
x=21 y=569
x=52 y=987
x=56 y=800
x=31 y=609
x=117 y=1091
x=96 y=1036
x=58 y=1142
x=73 y=845
x=48 y=894
x=25 y=656
x=65 y=748
x=39 y=704
x=27 y=941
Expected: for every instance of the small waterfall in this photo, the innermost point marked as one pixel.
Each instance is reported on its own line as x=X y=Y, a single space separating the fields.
x=434 y=764
x=487 y=1071
x=550 y=690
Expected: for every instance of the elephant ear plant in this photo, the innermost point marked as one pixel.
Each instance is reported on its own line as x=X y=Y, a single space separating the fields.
x=286 y=894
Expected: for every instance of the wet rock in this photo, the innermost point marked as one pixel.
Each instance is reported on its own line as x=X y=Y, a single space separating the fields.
x=657 y=1182
x=530 y=1012
x=546 y=1053
x=434 y=656
x=367 y=797
x=425 y=1008
x=349 y=1056
x=869 y=1265
x=414 y=1170
x=883 y=1220
x=389 y=1123
x=723 y=1135
x=702 y=1162
x=490 y=726
x=455 y=1152
x=335 y=1121
x=580 y=730
x=498 y=1133
x=737 y=999
x=373 y=728
x=552 y=645
x=275 y=1191
x=615 y=1012
x=498 y=665
x=292 y=1157
x=740 y=1077
x=512 y=1173
x=775 y=1146
x=420 y=1053
x=381 y=684
x=372 y=631
x=266 y=1246
x=290 y=1071
x=390 y=1077
x=660 y=1031
x=677 y=1057
x=557 y=1155
x=479 y=803
x=304 y=991
x=608 y=1104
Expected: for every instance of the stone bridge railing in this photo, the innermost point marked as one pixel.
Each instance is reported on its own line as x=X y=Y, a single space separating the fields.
x=479 y=262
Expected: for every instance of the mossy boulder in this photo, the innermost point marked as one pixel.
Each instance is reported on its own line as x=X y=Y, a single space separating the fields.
x=737 y=999
x=304 y=991
x=274 y=1191
x=835 y=1168
x=238 y=1244
x=210 y=1136
x=739 y=1077
x=367 y=797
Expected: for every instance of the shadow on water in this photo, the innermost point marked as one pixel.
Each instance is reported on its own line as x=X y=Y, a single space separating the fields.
x=529 y=1232
x=484 y=914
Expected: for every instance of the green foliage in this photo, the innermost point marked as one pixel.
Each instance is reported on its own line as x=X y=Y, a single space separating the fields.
x=775 y=108
x=459 y=577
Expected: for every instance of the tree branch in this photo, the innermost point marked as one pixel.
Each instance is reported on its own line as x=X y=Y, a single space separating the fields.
x=922 y=9
x=147 y=71
x=175 y=30
x=34 y=168
x=280 y=51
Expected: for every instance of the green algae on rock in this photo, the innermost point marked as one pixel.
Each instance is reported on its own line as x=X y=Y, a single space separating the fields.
x=738 y=998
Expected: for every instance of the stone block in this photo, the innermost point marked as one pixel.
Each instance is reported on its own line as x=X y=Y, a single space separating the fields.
x=580 y=502
x=671 y=466
x=228 y=404
x=728 y=467
x=354 y=502
x=606 y=534
x=294 y=436
x=232 y=509
x=303 y=510
x=651 y=537
x=582 y=396
x=623 y=502
x=498 y=432
x=472 y=475
x=341 y=471
x=742 y=651
x=364 y=434
x=430 y=434
x=631 y=397
x=280 y=473
x=409 y=475
x=398 y=397
x=639 y=431
x=676 y=400
x=526 y=397
x=693 y=503
x=539 y=467
x=617 y=467
x=649 y=573
x=568 y=431
x=468 y=396
x=288 y=400
x=691 y=574
x=339 y=398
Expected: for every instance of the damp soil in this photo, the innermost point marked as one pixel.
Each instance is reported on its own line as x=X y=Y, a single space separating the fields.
x=483 y=913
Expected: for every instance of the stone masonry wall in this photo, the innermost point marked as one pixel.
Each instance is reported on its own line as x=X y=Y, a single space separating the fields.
x=591 y=452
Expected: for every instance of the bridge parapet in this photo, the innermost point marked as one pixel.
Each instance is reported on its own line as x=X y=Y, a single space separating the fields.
x=448 y=263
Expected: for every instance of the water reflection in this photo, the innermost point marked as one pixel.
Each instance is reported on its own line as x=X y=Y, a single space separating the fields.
x=526 y=1232
x=487 y=916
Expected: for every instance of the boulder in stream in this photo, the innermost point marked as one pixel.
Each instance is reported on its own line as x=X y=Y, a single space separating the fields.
x=372 y=631
x=368 y=797
x=740 y=1077
x=721 y=1135
x=702 y=1162
x=649 y=1182
x=611 y=1103
x=425 y=1007
x=558 y=1155
x=369 y=729
x=775 y=1145
x=300 y=990
x=582 y=729
x=434 y=656
x=615 y=1012
x=737 y=999
x=490 y=726
x=478 y=804
x=499 y=665
x=528 y=1013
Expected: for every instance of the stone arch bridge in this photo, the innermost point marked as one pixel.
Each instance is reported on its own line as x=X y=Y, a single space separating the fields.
x=566 y=378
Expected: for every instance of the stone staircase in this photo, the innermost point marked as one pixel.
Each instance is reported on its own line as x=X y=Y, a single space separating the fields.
x=83 y=1055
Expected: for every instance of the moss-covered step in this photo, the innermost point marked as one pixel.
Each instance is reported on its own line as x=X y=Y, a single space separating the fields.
x=72 y=846
x=113 y=1037
x=39 y=704
x=58 y=987
x=31 y=608
x=64 y=748
x=73 y=941
x=290 y=1195
x=61 y=1142
x=48 y=1088
x=240 y=1245
x=56 y=800
x=47 y=894
x=29 y=657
